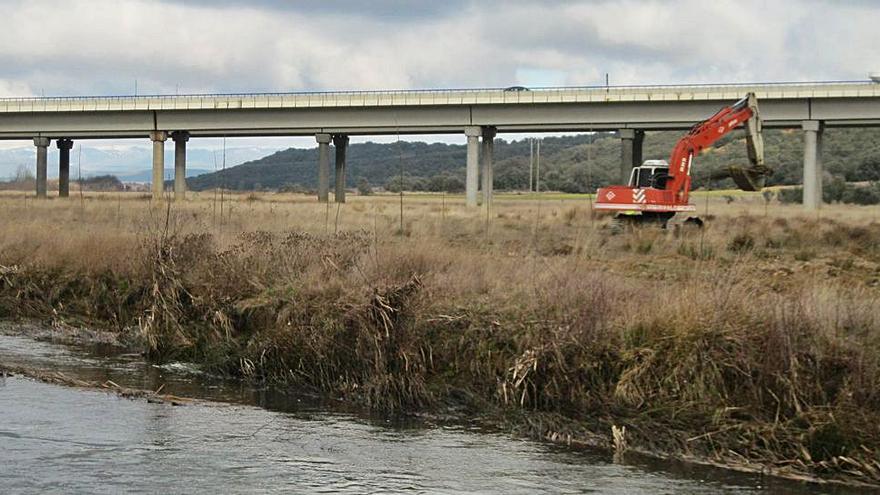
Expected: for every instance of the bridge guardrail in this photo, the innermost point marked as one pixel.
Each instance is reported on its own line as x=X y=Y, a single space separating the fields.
x=478 y=96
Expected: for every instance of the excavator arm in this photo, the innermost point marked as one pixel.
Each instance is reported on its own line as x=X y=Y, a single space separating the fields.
x=753 y=177
x=704 y=134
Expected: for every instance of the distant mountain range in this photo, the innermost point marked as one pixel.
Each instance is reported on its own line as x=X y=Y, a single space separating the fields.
x=570 y=163
x=147 y=175
x=129 y=163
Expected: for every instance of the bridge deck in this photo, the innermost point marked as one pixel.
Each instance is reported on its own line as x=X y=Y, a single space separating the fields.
x=452 y=97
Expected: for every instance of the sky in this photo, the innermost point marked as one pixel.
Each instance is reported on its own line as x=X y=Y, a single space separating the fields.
x=116 y=47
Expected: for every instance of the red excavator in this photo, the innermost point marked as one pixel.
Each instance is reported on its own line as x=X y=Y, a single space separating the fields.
x=656 y=191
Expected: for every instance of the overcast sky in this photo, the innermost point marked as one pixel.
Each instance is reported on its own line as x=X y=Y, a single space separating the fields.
x=99 y=47
x=69 y=47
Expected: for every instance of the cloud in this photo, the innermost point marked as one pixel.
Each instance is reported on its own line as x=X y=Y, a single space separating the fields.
x=14 y=88
x=104 y=46
x=400 y=9
x=77 y=47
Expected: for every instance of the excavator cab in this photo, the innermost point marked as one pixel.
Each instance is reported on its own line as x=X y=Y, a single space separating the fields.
x=652 y=173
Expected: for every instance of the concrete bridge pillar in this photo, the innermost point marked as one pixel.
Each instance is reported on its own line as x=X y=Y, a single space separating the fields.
x=488 y=152
x=180 y=138
x=631 y=141
x=64 y=146
x=472 y=175
x=340 y=142
x=42 y=144
x=158 y=186
x=323 y=167
x=812 y=164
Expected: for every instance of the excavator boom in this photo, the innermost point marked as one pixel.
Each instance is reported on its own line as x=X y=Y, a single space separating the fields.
x=706 y=133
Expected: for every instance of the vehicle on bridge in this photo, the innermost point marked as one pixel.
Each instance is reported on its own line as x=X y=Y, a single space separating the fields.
x=656 y=191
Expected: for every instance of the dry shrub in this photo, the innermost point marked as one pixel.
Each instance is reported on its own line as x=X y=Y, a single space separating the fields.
x=285 y=308
x=368 y=351
x=741 y=243
x=761 y=364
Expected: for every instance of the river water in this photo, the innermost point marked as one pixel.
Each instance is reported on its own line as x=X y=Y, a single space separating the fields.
x=55 y=439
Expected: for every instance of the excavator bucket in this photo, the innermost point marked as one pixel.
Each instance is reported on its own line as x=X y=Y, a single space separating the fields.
x=752 y=178
x=748 y=179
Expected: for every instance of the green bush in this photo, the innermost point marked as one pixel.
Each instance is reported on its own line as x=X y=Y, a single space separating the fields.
x=791 y=195
x=834 y=189
x=292 y=188
x=363 y=187
x=862 y=195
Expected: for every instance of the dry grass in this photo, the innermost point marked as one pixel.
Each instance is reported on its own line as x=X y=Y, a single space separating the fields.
x=754 y=341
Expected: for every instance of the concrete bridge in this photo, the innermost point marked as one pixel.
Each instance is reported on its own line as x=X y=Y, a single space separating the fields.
x=478 y=113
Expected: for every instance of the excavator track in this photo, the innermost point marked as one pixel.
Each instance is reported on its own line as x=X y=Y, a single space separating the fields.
x=647 y=218
x=622 y=222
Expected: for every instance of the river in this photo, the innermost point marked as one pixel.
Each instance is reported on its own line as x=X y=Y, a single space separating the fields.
x=56 y=439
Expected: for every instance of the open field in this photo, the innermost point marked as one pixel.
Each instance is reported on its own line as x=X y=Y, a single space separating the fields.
x=754 y=342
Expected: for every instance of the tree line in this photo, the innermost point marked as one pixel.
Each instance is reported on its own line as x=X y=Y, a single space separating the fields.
x=576 y=164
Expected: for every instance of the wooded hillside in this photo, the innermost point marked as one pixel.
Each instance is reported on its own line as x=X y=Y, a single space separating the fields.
x=569 y=163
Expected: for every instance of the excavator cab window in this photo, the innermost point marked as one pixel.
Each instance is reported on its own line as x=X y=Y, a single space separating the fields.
x=645 y=175
x=649 y=176
x=659 y=178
